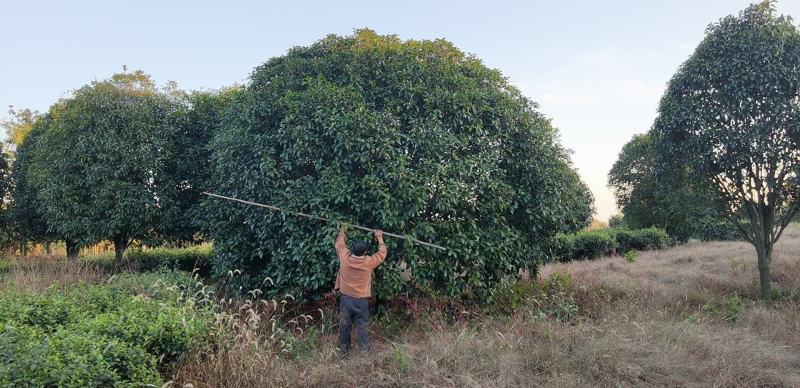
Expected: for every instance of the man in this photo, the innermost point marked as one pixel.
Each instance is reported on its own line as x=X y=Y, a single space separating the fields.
x=354 y=281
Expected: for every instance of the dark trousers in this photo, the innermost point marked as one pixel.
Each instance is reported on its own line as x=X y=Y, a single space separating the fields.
x=353 y=310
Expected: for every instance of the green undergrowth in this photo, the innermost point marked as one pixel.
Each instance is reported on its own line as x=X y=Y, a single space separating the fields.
x=130 y=331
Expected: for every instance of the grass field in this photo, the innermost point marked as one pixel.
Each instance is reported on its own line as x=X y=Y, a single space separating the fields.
x=683 y=316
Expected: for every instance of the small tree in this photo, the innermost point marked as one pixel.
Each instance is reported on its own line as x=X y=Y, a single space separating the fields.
x=100 y=166
x=732 y=112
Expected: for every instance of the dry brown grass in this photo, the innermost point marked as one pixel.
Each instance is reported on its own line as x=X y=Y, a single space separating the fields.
x=687 y=316
x=39 y=273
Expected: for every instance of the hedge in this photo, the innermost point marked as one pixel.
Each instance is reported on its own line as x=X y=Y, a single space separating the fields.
x=585 y=245
x=154 y=259
x=604 y=242
x=641 y=239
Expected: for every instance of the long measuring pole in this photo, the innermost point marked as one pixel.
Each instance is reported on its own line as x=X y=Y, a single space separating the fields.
x=313 y=217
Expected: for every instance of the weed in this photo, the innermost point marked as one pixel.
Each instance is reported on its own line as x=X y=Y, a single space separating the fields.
x=631 y=256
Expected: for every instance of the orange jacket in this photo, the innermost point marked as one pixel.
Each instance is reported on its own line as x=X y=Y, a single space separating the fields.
x=355 y=272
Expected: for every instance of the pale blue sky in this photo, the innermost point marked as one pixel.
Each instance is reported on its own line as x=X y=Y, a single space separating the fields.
x=597 y=68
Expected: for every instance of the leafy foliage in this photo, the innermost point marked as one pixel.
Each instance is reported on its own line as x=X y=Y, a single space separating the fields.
x=118 y=334
x=19 y=126
x=654 y=192
x=584 y=245
x=25 y=218
x=733 y=107
x=193 y=258
x=709 y=229
x=591 y=244
x=414 y=137
x=182 y=218
x=617 y=221
x=641 y=239
x=100 y=166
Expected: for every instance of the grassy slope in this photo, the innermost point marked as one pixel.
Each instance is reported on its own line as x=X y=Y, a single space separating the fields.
x=684 y=316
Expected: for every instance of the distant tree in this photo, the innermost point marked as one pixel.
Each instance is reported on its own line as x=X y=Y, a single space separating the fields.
x=25 y=213
x=100 y=166
x=653 y=192
x=616 y=221
x=18 y=126
x=731 y=112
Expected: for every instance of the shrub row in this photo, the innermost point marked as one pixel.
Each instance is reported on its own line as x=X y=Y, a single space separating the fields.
x=155 y=259
x=194 y=258
x=123 y=333
x=603 y=242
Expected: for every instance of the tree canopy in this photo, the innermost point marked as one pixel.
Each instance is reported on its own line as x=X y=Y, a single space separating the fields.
x=732 y=112
x=414 y=137
x=182 y=219
x=99 y=165
x=19 y=125
x=651 y=191
x=25 y=218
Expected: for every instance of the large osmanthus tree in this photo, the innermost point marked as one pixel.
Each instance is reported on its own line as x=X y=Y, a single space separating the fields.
x=100 y=166
x=732 y=112
x=414 y=137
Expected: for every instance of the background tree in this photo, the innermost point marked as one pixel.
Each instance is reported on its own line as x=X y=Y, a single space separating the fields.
x=411 y=136
x=182 y=219
x=18 y=126
x=653 y=192
x=100 y=165
x=731 y=112
x=25 y=219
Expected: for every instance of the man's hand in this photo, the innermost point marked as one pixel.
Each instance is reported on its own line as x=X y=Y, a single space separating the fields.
x=342 y=227
x=379 y=236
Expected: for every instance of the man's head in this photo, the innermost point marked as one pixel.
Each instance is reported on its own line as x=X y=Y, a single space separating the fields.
x=360 y=248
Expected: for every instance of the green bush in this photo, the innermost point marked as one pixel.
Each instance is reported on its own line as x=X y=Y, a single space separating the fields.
x=592 y=244
x=564 y=246
x=603 y=242
x=29 y=356
x=154 y=259
x=184 y=259
x=651 y=238
x=641 y=239
x=117 y=334
x=709 y=229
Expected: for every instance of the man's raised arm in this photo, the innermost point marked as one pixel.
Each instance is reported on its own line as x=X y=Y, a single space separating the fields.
x=341 y=246
x=380 y=256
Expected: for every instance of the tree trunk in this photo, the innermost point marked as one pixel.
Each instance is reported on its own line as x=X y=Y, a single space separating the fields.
x=73 y=249
x=23 y=249
x=120 y=245
x=764 y=258
x=48 y=249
